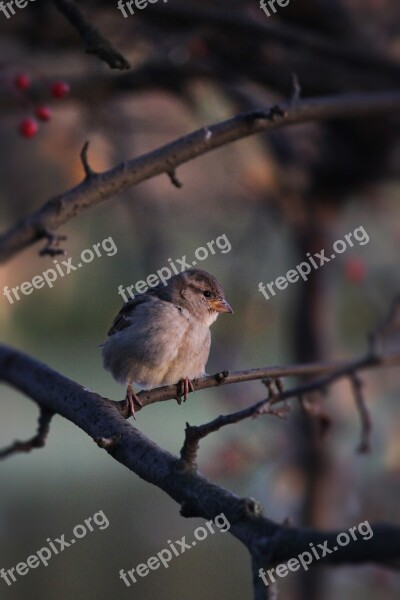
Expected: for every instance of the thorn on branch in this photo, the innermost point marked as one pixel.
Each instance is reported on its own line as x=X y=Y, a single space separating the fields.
x=85 y=161
x=366 y=423
x=53 y=240
x=38 y=441
x=174 y=180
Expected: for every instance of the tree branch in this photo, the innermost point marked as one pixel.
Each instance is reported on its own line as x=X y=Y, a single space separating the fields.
x=102 y=186
x=98 y=417
x=331 y=369
x=193 y=435
x=94 y=41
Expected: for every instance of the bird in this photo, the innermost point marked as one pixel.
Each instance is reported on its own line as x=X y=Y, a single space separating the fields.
x=162 y=336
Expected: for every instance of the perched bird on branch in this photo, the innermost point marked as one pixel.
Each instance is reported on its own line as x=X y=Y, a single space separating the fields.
x=162 y=337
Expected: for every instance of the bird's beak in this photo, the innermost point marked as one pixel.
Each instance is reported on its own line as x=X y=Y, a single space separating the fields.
x=220 y=305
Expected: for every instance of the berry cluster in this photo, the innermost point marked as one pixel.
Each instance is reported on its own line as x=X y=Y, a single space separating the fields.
x=29 y=126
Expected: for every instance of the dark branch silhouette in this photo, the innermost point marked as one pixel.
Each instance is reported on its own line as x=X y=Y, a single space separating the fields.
x=94 y=41
x=99 y=187
x=269 y=543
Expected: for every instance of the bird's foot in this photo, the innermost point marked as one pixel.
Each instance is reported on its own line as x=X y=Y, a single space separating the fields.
x=130 y=399
x=184 y=387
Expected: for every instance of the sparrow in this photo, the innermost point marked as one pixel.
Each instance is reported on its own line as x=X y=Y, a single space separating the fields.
x=162 y=337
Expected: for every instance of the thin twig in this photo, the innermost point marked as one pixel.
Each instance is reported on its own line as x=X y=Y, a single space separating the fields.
x=95 y=42
x=38 y=440
x=193 y=434
x=174 y=180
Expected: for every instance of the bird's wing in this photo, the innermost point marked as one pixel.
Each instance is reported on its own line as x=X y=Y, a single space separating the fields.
x=124 y=317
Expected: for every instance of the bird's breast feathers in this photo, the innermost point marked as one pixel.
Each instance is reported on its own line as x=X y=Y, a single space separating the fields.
x=154 y=342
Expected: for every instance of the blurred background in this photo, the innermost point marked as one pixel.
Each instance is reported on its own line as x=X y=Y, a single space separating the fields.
x=275 y=197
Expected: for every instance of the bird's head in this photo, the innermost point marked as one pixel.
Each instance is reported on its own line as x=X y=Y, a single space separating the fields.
x=200 y=293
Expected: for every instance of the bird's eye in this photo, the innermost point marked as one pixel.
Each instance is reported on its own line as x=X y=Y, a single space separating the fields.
x=207 y=294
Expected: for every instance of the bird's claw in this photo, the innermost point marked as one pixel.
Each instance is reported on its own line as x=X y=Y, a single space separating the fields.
x=185 y=386
x=131 y=398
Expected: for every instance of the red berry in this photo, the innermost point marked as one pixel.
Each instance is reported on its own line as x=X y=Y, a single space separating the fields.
x=355 y=270
x=59 y=89
x=43 y=113
x=28 y=128
x=22 y=81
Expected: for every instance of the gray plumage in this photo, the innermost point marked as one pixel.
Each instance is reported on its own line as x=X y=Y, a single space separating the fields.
x=163 y=336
